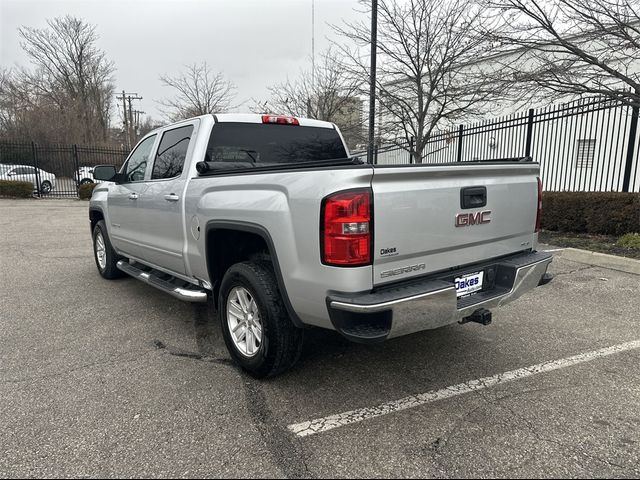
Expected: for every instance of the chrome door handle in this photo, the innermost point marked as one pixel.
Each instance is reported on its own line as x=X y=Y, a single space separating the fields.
x=172 y=197
x=133 y=196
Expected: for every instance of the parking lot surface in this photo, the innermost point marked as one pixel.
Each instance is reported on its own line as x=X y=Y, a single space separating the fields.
x=109 y=379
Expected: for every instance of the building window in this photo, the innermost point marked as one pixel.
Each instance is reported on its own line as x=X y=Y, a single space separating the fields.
x=586 y=152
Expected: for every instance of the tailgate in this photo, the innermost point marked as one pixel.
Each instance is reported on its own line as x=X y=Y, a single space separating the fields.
x=420 y=225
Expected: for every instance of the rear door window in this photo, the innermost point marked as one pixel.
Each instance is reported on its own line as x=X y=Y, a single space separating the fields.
x=172 y=153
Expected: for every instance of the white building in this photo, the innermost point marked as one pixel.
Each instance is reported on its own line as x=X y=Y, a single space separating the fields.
x=581 y=144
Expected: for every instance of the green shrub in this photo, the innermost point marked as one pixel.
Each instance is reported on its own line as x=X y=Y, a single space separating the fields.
x=630 y=240
x=608 y=213
x=85 y=191
x=14 y=189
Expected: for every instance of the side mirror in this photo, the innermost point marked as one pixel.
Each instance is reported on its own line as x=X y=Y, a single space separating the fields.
x=106 y=173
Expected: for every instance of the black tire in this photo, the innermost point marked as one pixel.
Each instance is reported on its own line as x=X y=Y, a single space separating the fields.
x=281 y=343
x=45 y=187
x=110 y=271
x=84 y=181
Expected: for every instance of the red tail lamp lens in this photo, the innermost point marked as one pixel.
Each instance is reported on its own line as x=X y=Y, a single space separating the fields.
x=346 y=236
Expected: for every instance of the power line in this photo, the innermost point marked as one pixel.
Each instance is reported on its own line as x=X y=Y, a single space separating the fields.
x=127 y=117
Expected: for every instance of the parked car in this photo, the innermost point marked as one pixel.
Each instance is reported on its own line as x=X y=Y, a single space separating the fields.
x=26 y=173
x=84 y=175
x=273 y=219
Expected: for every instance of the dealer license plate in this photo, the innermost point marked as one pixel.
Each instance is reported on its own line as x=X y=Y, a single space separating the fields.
x=469 y=284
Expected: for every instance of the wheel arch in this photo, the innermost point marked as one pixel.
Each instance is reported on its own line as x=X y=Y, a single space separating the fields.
x=244 y=234
x=95 y=215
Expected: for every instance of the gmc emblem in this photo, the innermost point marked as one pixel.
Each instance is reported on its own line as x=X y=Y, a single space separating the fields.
x=468 y=219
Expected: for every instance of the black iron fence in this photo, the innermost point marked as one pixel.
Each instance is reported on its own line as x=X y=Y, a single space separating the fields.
x=54 y=170
x=586 y=145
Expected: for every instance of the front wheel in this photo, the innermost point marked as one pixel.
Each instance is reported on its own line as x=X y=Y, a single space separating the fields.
x=104 y=254
x=255 y=325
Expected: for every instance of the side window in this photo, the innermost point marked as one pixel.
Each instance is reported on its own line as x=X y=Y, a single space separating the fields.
x=137 y=164
x=172 y=153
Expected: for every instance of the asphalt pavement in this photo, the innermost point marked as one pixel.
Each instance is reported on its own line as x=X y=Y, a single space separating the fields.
x=113 y=378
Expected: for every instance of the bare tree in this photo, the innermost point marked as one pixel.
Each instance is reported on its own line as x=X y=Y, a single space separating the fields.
x=7 y=104
x=198 y=91
x=423 y=79
x=571 y=47
x=328 y=93
x=147 y=125
x=72 y=77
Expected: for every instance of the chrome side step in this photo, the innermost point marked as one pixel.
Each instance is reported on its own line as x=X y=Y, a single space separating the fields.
x=188 y=293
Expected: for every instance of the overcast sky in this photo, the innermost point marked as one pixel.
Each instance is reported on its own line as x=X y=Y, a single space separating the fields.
x=256 y=43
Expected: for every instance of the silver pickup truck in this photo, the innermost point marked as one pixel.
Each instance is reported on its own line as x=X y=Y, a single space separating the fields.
x=271 y=218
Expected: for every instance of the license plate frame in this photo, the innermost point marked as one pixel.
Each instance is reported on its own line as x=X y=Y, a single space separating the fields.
x=469 y=283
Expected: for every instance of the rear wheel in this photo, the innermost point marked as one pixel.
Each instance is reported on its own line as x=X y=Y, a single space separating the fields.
x=104 y=254
x=256 y=327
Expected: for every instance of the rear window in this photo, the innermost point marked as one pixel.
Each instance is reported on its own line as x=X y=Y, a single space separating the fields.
x=247 y=145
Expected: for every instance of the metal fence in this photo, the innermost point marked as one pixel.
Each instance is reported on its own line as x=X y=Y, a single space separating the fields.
x=54 y=170
x=586 y=145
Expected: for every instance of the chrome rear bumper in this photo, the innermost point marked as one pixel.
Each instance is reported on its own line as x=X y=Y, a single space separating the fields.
x=431 y=302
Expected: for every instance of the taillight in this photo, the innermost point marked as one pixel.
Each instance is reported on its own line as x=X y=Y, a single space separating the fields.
x=280 y=119
x=539 y=212
x=346 y=228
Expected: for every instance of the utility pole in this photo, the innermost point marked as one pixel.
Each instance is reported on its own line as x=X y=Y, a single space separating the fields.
x=372 y=80
x=127 y=117
x=137 y=115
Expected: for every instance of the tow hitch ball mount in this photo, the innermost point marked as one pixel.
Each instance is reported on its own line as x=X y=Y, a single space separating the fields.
x=481 y=316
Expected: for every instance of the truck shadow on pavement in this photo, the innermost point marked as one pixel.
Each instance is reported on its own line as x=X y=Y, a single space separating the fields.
x=327 y=355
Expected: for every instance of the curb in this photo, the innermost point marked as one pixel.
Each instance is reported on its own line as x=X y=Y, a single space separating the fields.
x=613 y=262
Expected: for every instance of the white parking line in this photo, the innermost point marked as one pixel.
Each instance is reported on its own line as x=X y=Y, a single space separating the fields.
x=554 y=250
x=319 y=425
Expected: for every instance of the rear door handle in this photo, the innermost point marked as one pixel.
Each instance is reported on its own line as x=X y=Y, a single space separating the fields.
x=172 y=197
x=133 y=196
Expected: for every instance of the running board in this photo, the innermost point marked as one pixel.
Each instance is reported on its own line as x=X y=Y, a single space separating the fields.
x=186 y=293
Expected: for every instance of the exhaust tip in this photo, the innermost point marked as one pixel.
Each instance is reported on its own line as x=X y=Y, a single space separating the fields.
x=546 y=278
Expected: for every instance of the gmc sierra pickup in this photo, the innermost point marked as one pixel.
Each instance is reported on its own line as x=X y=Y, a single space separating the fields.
x=271 y=218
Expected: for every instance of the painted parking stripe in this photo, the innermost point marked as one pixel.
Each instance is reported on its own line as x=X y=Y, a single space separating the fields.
x=554 y=250
x=324 y=424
